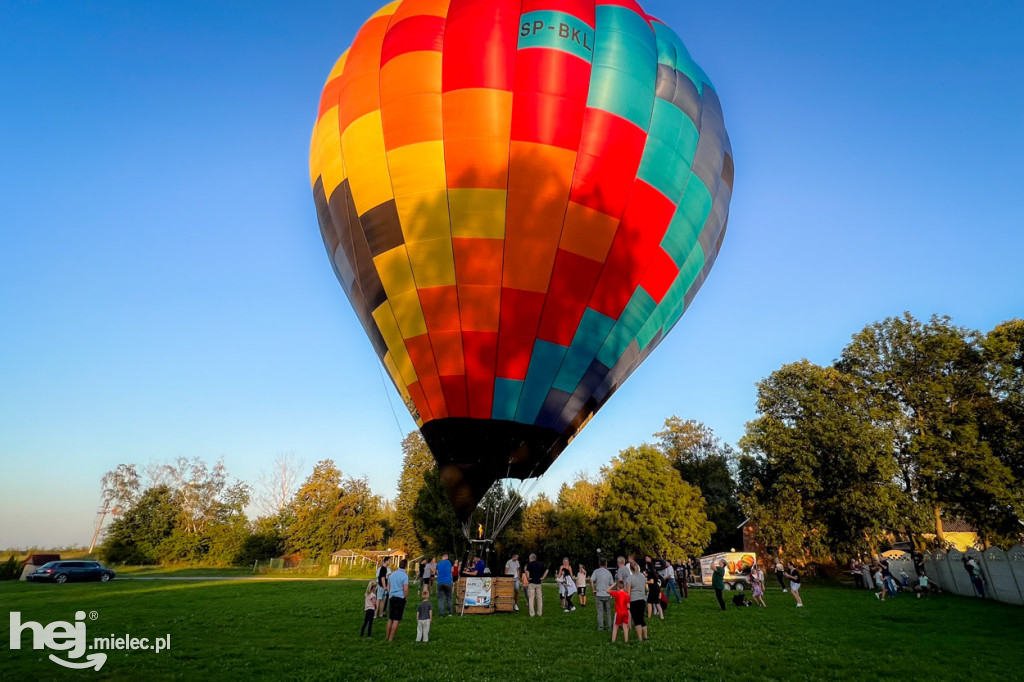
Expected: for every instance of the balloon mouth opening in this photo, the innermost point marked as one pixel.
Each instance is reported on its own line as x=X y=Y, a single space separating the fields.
x=472 y=454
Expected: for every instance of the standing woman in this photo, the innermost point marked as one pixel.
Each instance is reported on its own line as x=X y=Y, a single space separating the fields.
x=581 y=584
x=568 y=582
x=794 y=583
x=780 y=573
x=654 y=593
x=757 y=584
x=565 y=576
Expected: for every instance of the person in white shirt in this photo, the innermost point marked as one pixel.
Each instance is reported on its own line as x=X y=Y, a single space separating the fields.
x=581 y=584
x=622 y=573
x=512 y=569
x=669 y=578
x=602 y=581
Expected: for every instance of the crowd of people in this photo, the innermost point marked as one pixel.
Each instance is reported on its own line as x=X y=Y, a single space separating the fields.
x=877 y=575
x=625 y=600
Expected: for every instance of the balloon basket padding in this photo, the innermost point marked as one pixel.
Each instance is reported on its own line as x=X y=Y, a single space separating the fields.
x=502 y=597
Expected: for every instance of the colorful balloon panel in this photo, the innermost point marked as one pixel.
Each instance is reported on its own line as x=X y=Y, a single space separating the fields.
x=520 y=199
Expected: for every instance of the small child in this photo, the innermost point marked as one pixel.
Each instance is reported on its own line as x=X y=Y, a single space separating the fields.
x=581 y=585
x=922 y=586
x=879 y=583
x=621 y=614
x=424 y=614
x=570 y=590
x=370 y=604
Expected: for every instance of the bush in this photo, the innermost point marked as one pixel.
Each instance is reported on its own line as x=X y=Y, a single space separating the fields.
x=118 y=551
x=226 y=541
x=10 y=569
x=259 y=547
x=182 y=546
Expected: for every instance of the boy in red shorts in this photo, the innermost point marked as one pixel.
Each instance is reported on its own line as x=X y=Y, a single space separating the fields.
x=621 y=614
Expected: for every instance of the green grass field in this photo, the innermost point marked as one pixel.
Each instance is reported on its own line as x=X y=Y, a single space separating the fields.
x=309 y=630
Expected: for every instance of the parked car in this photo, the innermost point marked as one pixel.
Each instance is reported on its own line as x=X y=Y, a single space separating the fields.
x=71 y=571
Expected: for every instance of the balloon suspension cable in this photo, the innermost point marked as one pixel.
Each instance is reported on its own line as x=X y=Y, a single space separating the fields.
x=516 y=495
x=499 y=514
x=391 y=403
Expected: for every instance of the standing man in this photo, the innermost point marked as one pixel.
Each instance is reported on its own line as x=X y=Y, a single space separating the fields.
x=890 y=582
x=636 y=585
x=444 y=587
x=478 y=566
x=398 y=592
x=622 y=573
x=535 y=572
x=718 y=582
x=669 y=576
x=512 y=570
x=601 y=582
x=382 y=587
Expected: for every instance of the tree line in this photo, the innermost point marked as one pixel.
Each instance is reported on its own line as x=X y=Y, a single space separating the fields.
x=914 y=424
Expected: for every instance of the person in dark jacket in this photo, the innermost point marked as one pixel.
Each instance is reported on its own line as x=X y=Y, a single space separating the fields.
x=718 y=582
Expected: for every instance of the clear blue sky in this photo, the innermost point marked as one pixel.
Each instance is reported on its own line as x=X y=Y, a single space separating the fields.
x=164 y=290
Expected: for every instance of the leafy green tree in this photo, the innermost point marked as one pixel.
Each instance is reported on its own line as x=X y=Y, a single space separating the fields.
x=229 y=530
x=435 y=519
x=1002 y=422
x=822 y=473
x=266 y=541
x=1003 y=428
x=649 y=508
x=416 y=462
x=330 y=512
x=926 y=384
x=136 y=535
x=585 y=493
x=535 y=527
x=704 y=461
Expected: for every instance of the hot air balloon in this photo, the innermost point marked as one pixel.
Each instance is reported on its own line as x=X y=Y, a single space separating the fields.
x=520 y=199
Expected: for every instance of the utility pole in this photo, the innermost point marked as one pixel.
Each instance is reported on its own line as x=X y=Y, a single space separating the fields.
x=99 y=523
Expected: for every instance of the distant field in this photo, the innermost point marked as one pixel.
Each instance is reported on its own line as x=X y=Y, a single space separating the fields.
x=308 y=630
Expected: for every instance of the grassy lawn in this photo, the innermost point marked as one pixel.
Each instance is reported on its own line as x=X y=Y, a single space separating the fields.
x=309 y=630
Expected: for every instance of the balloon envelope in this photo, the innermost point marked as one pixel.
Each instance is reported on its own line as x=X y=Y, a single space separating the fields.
x=520 y=199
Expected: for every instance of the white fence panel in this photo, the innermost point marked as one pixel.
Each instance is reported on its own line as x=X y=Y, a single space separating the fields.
x=1015 y=558
x=961 y=579
x=932 y=570
x=1000 y=576
x=945 y=572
